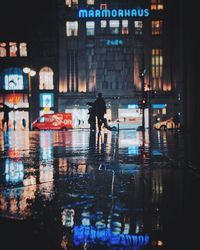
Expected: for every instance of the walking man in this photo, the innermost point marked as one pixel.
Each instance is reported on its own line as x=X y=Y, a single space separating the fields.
x=100 y=110
x=6 y=110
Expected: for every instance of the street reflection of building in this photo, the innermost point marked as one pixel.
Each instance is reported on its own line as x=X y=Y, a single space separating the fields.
x=130 y=217
x=46 y=167
x=16 y=147
x=62 y=166
x=16 y=202
x=16 y=199
x=14 y=171
x=19 y=144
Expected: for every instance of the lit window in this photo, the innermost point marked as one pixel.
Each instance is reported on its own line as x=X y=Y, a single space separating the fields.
x=157 y=5
x=103 y=6
x=153 y=5
x=157 y=68
x=3 y=50
x=160 y=5
x=46 y=78
x=103 y=23
x=138 y=25
x=157 y=27
x=13 y=49
x=125 y=27
x=114 y=26
x=90 y=26
x=103 y=26
x=23 y=49
x=90 y=2
x=72 y=28
x=71 y=3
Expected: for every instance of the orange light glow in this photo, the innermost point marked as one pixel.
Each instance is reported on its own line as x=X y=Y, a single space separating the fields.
x=160 y=243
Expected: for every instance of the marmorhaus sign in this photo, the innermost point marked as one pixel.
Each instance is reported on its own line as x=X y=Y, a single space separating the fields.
x=88 y=13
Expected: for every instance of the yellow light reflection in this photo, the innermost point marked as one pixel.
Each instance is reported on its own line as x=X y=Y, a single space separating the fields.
x=160 y=243
x=62 y=166
x=81 y=169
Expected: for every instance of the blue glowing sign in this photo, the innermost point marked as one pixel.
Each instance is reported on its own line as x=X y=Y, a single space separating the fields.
x=46 y=100
x=97 y=13
x=159 y=106
x=14 y=82
x=114 y=42
x=132 y=106
x=90 y=234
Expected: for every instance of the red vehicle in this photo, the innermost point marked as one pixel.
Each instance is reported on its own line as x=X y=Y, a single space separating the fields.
x=56 y=121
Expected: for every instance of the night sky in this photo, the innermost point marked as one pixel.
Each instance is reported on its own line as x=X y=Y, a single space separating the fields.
x=18 y=18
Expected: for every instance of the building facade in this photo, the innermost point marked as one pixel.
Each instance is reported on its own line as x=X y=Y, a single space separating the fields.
x=29 y=94
x=119 y=48
x=26 y=42
x=124 y=49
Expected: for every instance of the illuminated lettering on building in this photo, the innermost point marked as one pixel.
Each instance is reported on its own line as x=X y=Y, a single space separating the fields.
x=114 y=42
x=86 y=13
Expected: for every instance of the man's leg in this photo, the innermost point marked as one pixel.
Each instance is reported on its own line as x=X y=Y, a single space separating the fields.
x=2 y=124
x=99 y=120
x=7 y=125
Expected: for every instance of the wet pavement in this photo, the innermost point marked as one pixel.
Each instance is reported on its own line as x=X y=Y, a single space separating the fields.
x=83 y=190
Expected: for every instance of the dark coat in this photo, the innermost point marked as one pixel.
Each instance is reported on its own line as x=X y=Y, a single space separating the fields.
x=6 y=109
x=100 y=106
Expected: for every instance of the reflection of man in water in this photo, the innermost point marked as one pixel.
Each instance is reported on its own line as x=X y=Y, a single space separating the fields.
x=176 y=120
x=92 y=117
x=6 y=109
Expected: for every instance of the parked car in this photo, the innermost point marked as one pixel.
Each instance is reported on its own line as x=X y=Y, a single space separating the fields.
x=56 y=121
x=164 y=125
x=125 y=123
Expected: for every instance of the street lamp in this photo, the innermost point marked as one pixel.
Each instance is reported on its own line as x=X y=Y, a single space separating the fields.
x=30 y=73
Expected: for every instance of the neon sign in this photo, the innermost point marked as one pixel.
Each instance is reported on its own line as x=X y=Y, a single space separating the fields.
x=14 y=82
x=90 y=234
x=46 y=100
x=132 y=106
x=88 y=13
x=159 y=106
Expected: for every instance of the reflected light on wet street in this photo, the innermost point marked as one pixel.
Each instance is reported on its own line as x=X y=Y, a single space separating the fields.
x=83 y=190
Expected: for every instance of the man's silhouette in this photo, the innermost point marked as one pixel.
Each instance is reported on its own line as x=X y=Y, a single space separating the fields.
x=100 y=110
x=176 y=120
x=92 y=116
x=6 y=109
